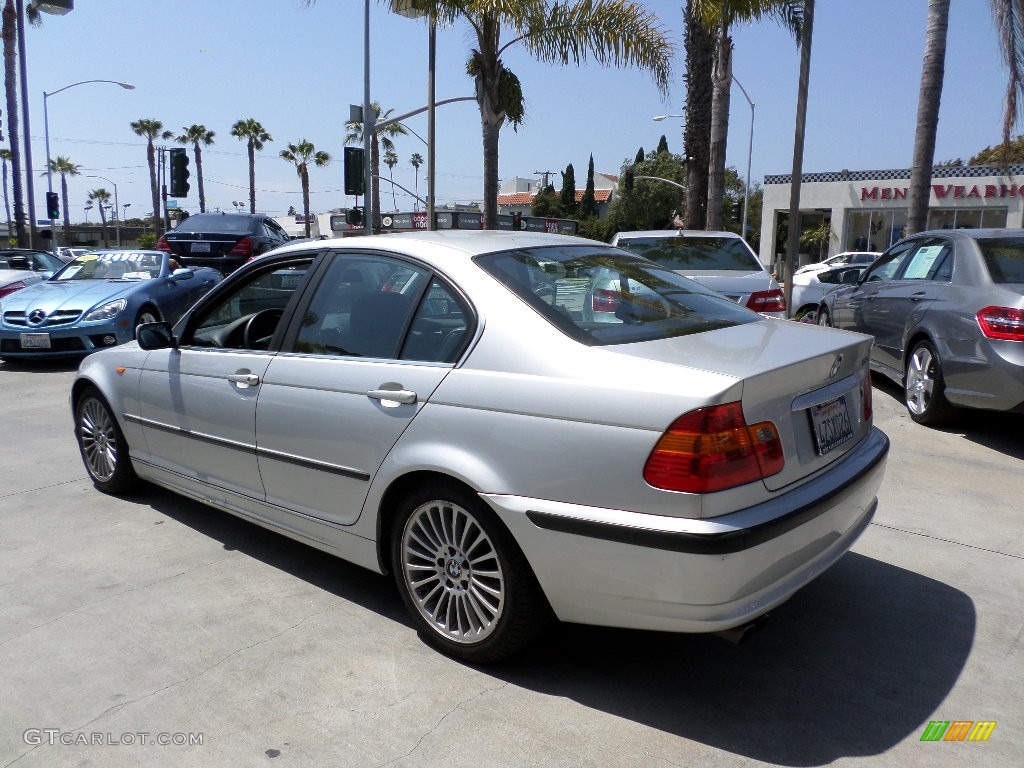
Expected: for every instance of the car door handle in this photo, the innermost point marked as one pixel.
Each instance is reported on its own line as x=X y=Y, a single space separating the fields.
x=248 y=379
x=395 y=395
x=920 y=295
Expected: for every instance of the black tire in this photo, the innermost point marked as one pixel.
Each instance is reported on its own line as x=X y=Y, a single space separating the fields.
x=806 y=314
x=147 y=314
x=824 y=317
x=924 y=388
x=479 y=603
x=102 y=445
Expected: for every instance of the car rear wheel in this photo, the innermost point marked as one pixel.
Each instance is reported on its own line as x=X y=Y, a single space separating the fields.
x=466 y=584
x=924 y=387
x=823 y=317
x=102 y=444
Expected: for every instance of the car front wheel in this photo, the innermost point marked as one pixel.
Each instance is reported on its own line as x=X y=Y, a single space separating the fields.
x=924 y=386
x=102 y=444
x=466 y=584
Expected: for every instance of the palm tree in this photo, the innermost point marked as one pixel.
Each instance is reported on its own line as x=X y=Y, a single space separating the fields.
x=196 y=135
x=300 y=154
x=100 y=197
x=700 y=56
x=720 y=15
x=391 y=160
x=65 y=168
x=255 y=136
x=355 y=136
x=151 y=130
x=10 y=39
x=5 y=155
x=416 y=161
x=1007 y=15
x=611 y=32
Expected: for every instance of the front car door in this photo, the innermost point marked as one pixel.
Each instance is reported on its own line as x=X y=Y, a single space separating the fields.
x=854 y=308
x=363 y=355
x=198 y=402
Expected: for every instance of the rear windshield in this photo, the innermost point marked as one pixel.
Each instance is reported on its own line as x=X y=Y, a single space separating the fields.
x=216 y=222
x=694 y=253
x=1004 y=257
x=599 y=295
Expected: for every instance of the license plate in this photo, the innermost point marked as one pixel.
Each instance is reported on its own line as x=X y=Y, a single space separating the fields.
x=35 y=341
x=831 y=423
x=200 y=248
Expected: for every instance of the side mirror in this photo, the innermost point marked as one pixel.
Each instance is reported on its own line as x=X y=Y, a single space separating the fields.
x=155 y=336
x=183 y=273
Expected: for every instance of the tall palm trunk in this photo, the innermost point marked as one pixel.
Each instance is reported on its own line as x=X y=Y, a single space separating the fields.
x=304 y=177
x=721 y=78
x=252 y=176
x=700 y=57
x=492 y=115
x=153 y=186
x=7 y=204
x=10 y=33
x=928 y=114
x=199 y=174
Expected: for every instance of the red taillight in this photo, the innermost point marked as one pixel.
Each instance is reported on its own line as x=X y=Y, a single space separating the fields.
x=163 y=245
x=604 y=300
x=10 y=288
x=242 y=248
x=767 y=301
x=711 y=449
x=1002 y=323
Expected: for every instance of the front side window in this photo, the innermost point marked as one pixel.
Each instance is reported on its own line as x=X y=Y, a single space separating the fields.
x=691 y=254
x=599 y=295
x=888 y=264
x=247 y=317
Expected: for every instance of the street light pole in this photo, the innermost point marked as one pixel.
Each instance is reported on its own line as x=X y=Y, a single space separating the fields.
x=46 y=132
x=750 y=152
x=117 y=226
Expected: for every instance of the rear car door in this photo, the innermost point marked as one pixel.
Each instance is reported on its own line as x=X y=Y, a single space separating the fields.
x=363 y=356
x=899 y=304
x=198 y=402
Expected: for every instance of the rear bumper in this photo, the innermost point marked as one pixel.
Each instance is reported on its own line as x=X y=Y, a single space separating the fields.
x=223 y=264
x=628 y=569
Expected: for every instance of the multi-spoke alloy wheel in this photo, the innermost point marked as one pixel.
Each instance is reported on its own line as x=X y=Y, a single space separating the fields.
x=453 y=571
x=463 y=577
x=924 y=387
x=102 y=445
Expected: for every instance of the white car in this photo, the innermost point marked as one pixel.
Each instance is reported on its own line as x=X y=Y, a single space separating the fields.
x=844 y=259
x=21 y=267
x=721 y=261
x=809 y=288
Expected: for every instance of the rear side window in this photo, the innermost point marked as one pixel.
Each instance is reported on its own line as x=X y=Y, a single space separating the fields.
x=216 y=222
x=600 y=295
x=1004 y=258
x=694 y=253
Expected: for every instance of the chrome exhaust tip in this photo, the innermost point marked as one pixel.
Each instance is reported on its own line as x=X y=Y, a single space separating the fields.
x=742 y=633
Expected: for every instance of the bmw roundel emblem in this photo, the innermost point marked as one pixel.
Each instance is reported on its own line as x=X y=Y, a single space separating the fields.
x=836 y=366
x=36 y=316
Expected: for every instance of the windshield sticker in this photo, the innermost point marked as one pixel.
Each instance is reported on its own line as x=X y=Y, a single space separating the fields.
x=136 y=276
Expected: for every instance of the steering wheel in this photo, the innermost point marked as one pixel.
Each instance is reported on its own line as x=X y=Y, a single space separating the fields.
x=545 y=292
x=259 y=329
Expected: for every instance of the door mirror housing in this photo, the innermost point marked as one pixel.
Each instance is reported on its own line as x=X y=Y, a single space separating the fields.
x=184 y=273
x=156 y=336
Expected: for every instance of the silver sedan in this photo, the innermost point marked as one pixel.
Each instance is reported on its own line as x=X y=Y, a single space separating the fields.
x=437 y=406
x=946 y=309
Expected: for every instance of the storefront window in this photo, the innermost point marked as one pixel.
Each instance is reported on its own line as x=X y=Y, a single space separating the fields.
x=874 y=230
x=960 y=218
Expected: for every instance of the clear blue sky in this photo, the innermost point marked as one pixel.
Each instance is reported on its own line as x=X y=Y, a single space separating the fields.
x=296 y=69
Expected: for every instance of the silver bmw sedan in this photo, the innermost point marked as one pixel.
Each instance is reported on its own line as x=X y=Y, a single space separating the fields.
x=518 y=427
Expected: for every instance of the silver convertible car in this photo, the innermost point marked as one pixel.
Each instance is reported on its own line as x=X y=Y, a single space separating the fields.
x=426 y=405
x=946 y=309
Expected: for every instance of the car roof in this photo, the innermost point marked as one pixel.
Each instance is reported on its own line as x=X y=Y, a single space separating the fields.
x=973 y=234
x=675 y=233
x=446 y=241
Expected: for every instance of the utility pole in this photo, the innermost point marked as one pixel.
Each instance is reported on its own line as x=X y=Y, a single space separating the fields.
x=545 y=174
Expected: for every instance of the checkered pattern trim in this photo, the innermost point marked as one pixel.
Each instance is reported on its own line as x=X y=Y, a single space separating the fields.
x=938 y=172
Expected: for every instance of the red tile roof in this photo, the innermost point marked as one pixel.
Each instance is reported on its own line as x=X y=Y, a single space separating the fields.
x=525 y=198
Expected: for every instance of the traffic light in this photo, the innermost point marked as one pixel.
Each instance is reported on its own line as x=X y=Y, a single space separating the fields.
x=629 y=179
x=52 y=206
x=517 y=221
x=179 y=173
x=355 y=183
x=354 y=216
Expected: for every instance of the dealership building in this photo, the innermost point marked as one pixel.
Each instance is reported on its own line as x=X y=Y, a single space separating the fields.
x=868 y=209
